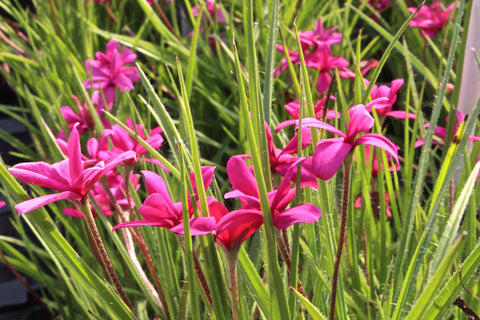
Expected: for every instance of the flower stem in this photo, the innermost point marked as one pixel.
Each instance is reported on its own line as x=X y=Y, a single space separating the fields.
x=121 y=217
x=104 y=259
x=231 y=257
x=199 y=272
x=347 y=172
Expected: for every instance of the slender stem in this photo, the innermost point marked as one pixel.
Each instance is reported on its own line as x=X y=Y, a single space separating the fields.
x=137 y=237
x=54 y=16
x=287 y=258
x=199 y=272
x=347 y=172
x=105 y=260
x=231 y=257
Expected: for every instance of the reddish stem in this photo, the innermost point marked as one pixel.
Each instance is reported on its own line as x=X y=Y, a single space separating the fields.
x=347 y=172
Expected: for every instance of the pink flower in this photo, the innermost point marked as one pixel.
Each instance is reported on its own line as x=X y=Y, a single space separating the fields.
x=70 y=176
x=122 y=141
x=2 y=203
x=294 y=107
x=216 y=14
x=117 y=188
x=108 y=71
x=431 y=19
x=232 y=238
x=383 y=108
x=83 y=118
x=379 y=4
x=319 y=36
x=329 y=153
x=245 y=189
x=159 y=210
x=320 y=59
x=441 y=132
x=282 y=159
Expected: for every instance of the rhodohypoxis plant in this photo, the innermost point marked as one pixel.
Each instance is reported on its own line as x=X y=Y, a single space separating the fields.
x=383 y=107
x=432 y=19
x=74 y=180
x=70 y=176
x=329 y=155
x=440 y=132
x=108 y=72
x=245 y=189
x=159 y=210
x=240 y=224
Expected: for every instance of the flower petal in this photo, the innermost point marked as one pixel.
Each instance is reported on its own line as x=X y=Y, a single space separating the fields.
x=32 y=204
x=379 y=141
x=241 y=177
x=303 y=213
x=198 y=226
x=75 y=162
x=40 y=174
x=238 y=218
x=155 y=183
x=311 y=122
x=328 y=157
x=360 y=121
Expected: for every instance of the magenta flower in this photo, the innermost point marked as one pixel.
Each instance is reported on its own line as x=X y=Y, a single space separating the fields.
x=319 y=36
x=440 y=132
x=231 y=239
x=431 y=19
x=2 y=203
x=122 y=141
x=319 y=59
x=216 y=13
x=109 y=72
x=383 y=107
x=245 y=189
x=83 y=118
x=68 y=176
x=322 y=59
x=293 y=108
x=282 y=159
x=329 y=153
x=310 y=60
x=117 y=188
x=379 y=4
x=159 y=210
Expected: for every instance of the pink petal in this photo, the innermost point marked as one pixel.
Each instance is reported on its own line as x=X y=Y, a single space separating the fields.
x=140 y=223
x=32 y=204
x=155 y=183
x=285 y=185
x=360 y=121
x=74 y=155
x=241 y=177
x=238 y=218
x=72 y=212
x=380 y=142
x=303 y=213
x=159 y=207
x=311 y=122
x=401 y=115
x=198 y=226
x=41 y=174
x=328 y=157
